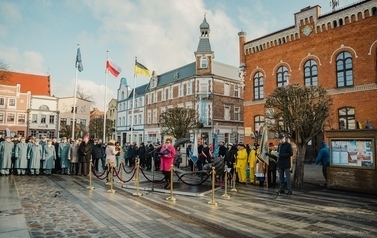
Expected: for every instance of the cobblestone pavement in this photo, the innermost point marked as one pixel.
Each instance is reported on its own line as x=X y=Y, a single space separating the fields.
x=61 y=206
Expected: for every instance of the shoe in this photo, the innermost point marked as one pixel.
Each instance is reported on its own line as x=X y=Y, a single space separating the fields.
x=167 y=186
x=281 y=191
x=289 y=193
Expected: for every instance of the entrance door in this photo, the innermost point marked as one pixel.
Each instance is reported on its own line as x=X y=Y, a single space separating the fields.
x=313 y=148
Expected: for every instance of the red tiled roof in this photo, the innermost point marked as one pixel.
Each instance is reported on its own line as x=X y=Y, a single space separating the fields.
x=36 y=84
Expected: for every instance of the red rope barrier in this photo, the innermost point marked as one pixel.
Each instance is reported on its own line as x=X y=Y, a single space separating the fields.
x=124 y=181
x=191 y=184
x=150 y=180
x=99 y=176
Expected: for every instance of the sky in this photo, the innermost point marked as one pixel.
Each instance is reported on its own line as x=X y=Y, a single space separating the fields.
x=41 y=36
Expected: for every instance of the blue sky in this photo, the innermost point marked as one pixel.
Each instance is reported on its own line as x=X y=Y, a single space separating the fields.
x=41 y=36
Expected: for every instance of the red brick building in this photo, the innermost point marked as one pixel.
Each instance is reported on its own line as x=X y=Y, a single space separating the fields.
x=337 y=50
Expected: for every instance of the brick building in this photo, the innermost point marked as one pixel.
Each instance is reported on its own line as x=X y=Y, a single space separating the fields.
x=214 y=89
x=337 y=50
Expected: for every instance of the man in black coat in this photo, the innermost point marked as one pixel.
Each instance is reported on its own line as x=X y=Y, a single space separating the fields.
x=97 y=153
x=142 y=152
x=85 y=154
x=222 y=149
x=284 y=163
x=148 y=154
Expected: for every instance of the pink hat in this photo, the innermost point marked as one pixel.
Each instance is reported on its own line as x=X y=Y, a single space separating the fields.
x=85 y=136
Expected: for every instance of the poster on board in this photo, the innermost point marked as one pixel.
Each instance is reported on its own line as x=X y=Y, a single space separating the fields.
x=357 y=153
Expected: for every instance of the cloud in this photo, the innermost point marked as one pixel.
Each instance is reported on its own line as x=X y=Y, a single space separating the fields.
x=9 y=13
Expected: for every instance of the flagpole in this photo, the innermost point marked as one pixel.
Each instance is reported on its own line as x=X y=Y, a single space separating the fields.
x=133 y=103
x=104 y=103
x=74 y=101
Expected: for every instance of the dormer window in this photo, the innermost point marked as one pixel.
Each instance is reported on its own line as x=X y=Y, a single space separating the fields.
x=203 y=62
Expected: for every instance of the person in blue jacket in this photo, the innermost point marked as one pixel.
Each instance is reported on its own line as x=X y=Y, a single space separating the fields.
x=323 y=158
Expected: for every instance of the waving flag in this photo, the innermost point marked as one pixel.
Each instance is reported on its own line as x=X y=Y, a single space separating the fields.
x=264 y=145
x=141 y=69
x=79 y=60
x=113 y=68
x=194 y=150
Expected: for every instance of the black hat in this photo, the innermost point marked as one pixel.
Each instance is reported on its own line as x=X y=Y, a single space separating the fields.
x=281 y=135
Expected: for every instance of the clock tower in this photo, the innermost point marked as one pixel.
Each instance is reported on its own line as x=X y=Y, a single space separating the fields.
x=204 y=55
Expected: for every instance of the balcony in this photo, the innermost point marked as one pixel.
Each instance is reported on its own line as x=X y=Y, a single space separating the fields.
x=200 y=96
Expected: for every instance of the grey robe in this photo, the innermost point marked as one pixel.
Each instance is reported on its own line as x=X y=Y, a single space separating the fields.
x=74 y=153
x=63 y=154
x=49 y=156
x=6 y=153
x=35 y=156
x=21 y=154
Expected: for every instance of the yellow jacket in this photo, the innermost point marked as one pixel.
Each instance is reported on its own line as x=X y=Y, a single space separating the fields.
x=241 y=158
x=252 y=158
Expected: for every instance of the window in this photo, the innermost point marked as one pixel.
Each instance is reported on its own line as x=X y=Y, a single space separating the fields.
x=258 y=86
x=226 y=89
x=129 y=120
x=180 y=90
x=155 y=97
x=152 y=97
x=123 y=122
x=135 y=119
x=51 y=119
x=188 y=88
x=63 y=121
x=227 y=113
x=43 y=118
x=33 y=133
x=170 y=92
x=83 y=122
x=12 y=102
x=10 y=118
x=139 y=119
x=236 y=91
x=1 y=117
x=163 y=95
x=180 y=105
x=141 y=102
x=119 y=121
x=72 y=122
x=282 y=76
x=344 y=72
x=122 y=97
x=310 y=73
x=154 y=115
x=189 y=105
x=34 y=118
x=258 y=122
x=21 y=118
x=149 y=117
x=44 y=108
x=2 y=102
x=203 y=62
x=136 y=105
x=347 y=118
x=237 y=114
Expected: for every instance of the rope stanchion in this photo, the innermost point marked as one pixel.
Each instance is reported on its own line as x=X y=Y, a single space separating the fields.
x=191 y=184
x=125 y=181
x=99 y=176
x=171 y=198
x=150 y=180
x=90 y=187
x=137 y=194
x=234 y=179
x=128 y=172
x=137 y=161
x=213 y=202
x=121 y=164
x=225 y=195
x=111 y=178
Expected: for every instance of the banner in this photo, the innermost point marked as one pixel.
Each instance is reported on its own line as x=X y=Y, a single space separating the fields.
x=264 y=146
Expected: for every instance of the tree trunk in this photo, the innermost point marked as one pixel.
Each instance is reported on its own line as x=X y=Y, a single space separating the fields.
x=298 y=178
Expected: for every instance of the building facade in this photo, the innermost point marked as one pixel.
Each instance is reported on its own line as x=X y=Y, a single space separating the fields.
x=214 y=89
x=43 y=116
x=82 y=116
x=14 y=107
x=111 y=115
x=337 y=50
x=130 y=113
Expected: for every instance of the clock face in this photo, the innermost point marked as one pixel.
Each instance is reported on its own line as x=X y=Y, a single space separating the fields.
x=307 y=30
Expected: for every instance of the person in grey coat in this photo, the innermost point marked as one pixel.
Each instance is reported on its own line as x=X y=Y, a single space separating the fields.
x=34 y=157
x=6 y=153
x=63 y=154
x=21 y=156
x=49 y=157
x=74 y=157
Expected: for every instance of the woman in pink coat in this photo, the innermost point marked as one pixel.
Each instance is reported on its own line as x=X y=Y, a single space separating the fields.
x=167 y=154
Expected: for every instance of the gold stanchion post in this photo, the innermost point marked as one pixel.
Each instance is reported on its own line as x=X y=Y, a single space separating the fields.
x=121 y=164
x=171 y=198
x=90 y=187
x=225 y=195
x=137 y=180
x=213 y=202
x=111 y=178
x=234 y=179
x=136 y=167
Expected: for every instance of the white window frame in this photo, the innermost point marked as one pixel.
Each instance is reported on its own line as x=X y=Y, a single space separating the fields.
x=149 y=117
x=155 y=115
x=2 y=117
x=43 y=116
x=189 y=88
x=53 y=119
x=163 y=94
x=237 y=113
x=119 y=121
x=141 y=102
x=180 y=90
x=237 y=90
x=155 y=97
x=203 y=62
x=139 y=118
x=129 y=120
x=9 y=104
x=189 y=105
x=149 y=96
x=226 y=112
x=170 y=96
x=135 y=119
x=226 y=89
x=18 y=118
x=14 y=118
x=180 y=105
x=2 y=102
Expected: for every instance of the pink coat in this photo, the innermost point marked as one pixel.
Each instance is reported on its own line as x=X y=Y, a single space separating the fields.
x=168 y=159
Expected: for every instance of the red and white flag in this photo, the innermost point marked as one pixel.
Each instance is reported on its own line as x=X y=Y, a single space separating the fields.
x=113 y=68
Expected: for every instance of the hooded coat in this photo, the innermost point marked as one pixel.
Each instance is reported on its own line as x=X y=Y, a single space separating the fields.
x=323 y=155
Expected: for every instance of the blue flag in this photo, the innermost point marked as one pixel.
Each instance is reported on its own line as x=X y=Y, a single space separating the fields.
x=78 y=60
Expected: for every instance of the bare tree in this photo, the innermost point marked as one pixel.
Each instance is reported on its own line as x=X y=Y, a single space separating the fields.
x=4 y=71
x=81 y=93
x=96 y=127
x=301 y=112
x=179 y=121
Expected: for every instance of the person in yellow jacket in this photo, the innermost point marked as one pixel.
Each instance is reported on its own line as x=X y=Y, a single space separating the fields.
x=252 y=160
x=241 y=163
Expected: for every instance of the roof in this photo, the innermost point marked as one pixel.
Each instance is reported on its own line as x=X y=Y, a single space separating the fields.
x=204 y=24
x=204 y=46
x=177 y=74
x=140 y=91
x=36 y=84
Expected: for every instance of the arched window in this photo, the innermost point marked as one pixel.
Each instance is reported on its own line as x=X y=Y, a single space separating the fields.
x=282 y=76
x=203 y=62
x=122 y=97
x=258 y=122
x=347 y=118
x=258 y=86
x=310 y=73
x=44 y=108
x=344 y=71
